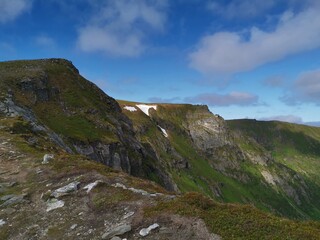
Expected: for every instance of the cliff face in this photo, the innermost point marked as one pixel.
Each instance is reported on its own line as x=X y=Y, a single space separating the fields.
x=74 y=114
x=182 y=147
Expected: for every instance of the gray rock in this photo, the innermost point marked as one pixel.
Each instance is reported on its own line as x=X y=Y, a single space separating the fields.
x=145 y=231
x=53 y=204
x=117 y=231
x=9 y=184
x=47 y=158
x=73 y=226
x=215 y=237
x=116 y=238
x=8 y=211
x=11 y=200
x=2 y=222
x=90 y=186
x=71 y=187
x=9 y=108
x=138 y=191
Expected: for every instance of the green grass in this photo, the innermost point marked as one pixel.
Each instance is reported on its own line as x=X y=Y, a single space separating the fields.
x=234 y=221
x=295 y=149
x=202 y=177
x=78 y=110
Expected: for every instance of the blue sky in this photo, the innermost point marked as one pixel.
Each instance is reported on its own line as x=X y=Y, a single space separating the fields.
x=243 y=58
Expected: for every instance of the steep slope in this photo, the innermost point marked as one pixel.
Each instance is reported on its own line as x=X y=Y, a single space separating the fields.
x=295 y=146
x=202 y=154
x=74 y=114
x=71 y=197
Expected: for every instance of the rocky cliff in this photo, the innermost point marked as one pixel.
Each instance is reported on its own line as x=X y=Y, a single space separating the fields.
x=74 y=114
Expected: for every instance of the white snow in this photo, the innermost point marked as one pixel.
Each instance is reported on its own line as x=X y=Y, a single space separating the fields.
x=164 y=132
x=131 y=109
x=145 y=108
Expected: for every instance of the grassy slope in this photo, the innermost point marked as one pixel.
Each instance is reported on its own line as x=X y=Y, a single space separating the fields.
x=230 y=221
x=297 y=147
x=68 y=113
x=234 y=221
x=201 y=176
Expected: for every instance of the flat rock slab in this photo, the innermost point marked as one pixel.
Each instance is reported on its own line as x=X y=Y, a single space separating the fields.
x=11 y=200
x=53 y=204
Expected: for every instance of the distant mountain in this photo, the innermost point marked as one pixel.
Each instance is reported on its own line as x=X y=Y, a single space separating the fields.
x=315 y=124
x=46 y=107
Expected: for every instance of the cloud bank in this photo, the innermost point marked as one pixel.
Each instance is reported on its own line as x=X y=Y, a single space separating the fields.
x=120 y=27
x=233 y=98
x=306 y=89
x=11 y=9
x=230 y=52
x=284 y=118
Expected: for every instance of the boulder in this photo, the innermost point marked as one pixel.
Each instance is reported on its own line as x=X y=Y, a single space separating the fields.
x=47 y=158
x=11 y=200
x=71 y=187
x=54 y=204
x=90 y=186
x=2 y=222
x=145 y=231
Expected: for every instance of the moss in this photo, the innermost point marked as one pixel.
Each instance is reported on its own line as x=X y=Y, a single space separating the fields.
x=105 y=198
x=233 y=221
x=4 y=232
x=55 y=232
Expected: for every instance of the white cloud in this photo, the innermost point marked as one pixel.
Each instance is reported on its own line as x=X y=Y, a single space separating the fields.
x=284 y=118
x=233 y=98
x=120 y=27
x=11 y=9
x=230 y=52
x=305 y=89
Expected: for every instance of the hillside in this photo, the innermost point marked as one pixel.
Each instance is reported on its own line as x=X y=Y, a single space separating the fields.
x=47 y=107
x=203 y=154
x=294 y=146
x=29 y=198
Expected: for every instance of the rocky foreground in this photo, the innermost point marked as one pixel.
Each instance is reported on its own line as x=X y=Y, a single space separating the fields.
x=67 y=197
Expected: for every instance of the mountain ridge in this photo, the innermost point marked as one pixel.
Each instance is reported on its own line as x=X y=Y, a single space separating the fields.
x=183 y=147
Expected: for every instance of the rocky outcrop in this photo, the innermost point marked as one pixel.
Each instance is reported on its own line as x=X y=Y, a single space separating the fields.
x=113 y=155
x=9 y=108
x=46 y=88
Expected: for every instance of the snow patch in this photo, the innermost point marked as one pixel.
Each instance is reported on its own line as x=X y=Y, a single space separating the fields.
x=145 y=108
x=164 y=132
x=131 y=109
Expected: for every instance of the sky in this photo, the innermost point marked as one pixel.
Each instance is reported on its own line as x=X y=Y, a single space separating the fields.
x=243 y=58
